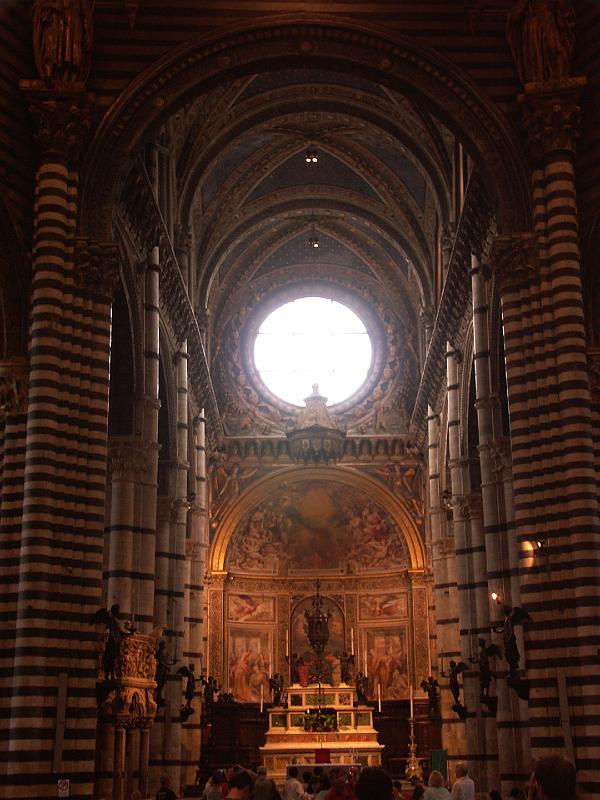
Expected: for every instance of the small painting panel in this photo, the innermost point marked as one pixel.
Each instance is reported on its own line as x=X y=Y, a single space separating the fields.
x=279 y=720
x=345 y=719
x=387 y=659
x=297 y=721
x=335 y=644
x=386 y=606
x=250 y=608
x=249 y=662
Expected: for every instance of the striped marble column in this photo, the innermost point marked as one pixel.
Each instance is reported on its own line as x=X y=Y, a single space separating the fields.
x=13 y=418
x=445 y=592
x=196 y=548
x=64 y=478
x=460 y=486
x=555 y=489
x=500 y=548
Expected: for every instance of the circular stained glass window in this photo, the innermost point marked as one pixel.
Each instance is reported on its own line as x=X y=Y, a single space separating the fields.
x=312 y=340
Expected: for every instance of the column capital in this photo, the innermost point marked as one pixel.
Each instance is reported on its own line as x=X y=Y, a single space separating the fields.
x=98 y=266
x=63 y=115
x=551 y=115
x=128 y=457
x=14 y=386
x=514 y=258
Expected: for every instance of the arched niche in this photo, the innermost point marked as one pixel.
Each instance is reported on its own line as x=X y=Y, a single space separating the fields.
x=270 y=491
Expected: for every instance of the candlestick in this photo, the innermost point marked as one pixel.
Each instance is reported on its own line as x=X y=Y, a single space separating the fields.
x=351 y=641
x=410 y=694
x=379 y=697
x=287 y=643
x=262 y=696
x=365 y=664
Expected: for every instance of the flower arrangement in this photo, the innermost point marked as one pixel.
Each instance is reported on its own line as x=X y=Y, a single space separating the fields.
x=320 y=721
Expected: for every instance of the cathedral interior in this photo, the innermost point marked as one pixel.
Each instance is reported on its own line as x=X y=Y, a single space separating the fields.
x=181 y=181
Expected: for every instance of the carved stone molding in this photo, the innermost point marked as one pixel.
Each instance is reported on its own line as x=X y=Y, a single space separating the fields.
x=63 y=117
x=514 y=259
x=14 y=386
x=97 y=267
x=551 y=116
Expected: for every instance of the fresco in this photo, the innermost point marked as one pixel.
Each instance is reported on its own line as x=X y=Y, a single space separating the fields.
x=299 y=640
x=249 y=662
x=250 y=608
x=313 y=526
x=387 y=662
x=383 y=606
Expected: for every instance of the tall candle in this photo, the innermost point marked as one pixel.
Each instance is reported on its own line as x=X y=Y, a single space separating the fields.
x=262 y=697
x=411 y=701
x=352 y=641
x=287 y=643
x=379 y=697
x=365 y=665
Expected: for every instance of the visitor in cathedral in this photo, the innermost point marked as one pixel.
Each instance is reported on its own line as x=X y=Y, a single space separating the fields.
x=165 y=792
x=310 y=783
x=417 y=792
x=214 y=786
x=340 y=788
x=553 y=778
x=494 y=794
x=374 y=783
x=264 y=788
x=293 y=789
x=324 y=787
x=240 y=786
x=463 y=787
x=436 y=789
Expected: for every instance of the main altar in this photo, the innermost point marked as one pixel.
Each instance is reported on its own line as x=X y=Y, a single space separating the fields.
x=319 y=723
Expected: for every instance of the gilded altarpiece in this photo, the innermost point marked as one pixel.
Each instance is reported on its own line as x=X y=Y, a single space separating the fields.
x=359 y=543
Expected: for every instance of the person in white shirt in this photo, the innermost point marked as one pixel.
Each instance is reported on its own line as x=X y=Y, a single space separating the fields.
x=293 y=789
x=463 y=787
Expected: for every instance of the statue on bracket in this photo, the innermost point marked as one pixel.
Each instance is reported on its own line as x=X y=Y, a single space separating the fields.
x=512 y=618
x=432 y=689
x=346 y=667
x=190 y=690
x=485 y=673
x=456 y=668
x=276 y=687
x=362 y=688
x=163 y=667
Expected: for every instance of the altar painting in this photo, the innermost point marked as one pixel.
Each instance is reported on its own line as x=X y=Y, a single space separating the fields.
x=386 y=606
x=250 y=608
x=299 y=637
x=314 y=526
x=387 y=660
x=249 y=663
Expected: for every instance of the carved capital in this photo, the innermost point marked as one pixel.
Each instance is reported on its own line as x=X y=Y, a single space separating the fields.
x=128 y=457
x=98 y=266
x=551 y=116
x=14 y=386
x=514 y=259
x=63 y=117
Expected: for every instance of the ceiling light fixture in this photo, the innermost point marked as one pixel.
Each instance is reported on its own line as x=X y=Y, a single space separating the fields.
x=311 y=156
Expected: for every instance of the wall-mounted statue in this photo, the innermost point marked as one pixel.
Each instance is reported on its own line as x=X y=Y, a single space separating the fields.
x=62 y=39
x=541 y=38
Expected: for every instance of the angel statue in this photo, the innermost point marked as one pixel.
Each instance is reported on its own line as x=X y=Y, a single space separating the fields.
x=190 y=690
x=432 y=689
x=485 y=673
x=276 y=687
x=512 y=618
x=455 y=670
x=346 y=667
x=116 y=633
x=163 y=667
x=362 y=688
